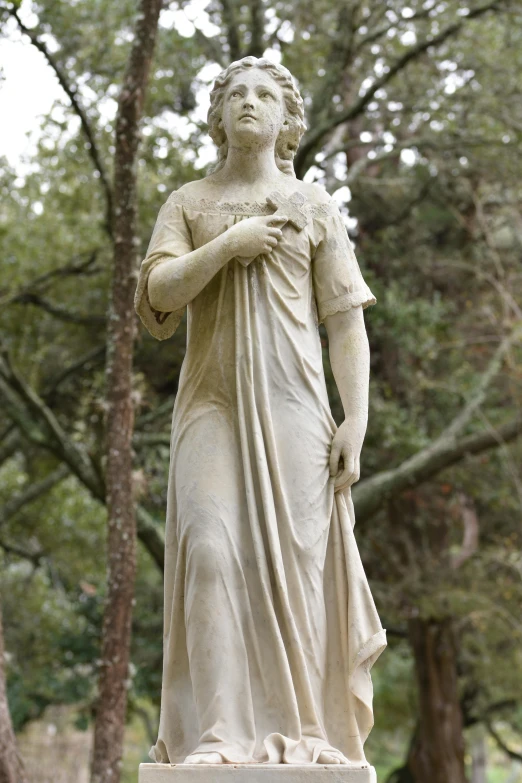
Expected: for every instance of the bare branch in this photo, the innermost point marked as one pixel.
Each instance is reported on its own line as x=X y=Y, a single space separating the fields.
x=26 y=554
x=450 y=447
x=512 y=754
x=31 y=493
x=161 y=410
x=481 y=389
x=141 y=439
x=72 y=94
x=59 y=312
x=10 y=444
x=314 y=137
x=370 y=495
x=87 y=361
x=150 y=536
x=38 y=423
x=42 y=282
x=39 y=426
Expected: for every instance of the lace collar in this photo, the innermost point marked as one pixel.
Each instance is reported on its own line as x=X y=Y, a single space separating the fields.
x=242 y=207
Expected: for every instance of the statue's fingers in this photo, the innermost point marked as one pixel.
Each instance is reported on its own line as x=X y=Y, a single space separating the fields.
x=335 y=454
x=344 y=479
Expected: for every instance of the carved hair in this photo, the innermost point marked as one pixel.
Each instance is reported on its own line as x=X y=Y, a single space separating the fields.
x=294 y=127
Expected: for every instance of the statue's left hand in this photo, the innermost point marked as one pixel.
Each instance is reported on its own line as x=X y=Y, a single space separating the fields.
x=345 y=454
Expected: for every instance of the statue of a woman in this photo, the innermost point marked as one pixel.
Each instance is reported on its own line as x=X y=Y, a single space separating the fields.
x=270 y=627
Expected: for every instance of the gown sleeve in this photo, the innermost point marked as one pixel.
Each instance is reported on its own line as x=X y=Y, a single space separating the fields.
x=171 y=238
x=338 y=282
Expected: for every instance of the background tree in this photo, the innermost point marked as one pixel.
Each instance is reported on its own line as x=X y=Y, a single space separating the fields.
x=414 y=125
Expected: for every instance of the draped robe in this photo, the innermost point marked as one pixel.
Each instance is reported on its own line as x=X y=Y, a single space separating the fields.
x=270 y=628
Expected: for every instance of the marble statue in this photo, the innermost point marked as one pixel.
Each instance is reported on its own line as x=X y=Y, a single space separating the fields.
x=270 y=628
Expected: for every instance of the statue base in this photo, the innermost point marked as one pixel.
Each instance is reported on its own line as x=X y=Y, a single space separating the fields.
x=254 y=773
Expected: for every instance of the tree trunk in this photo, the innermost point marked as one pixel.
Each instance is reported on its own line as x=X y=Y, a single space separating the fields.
x=11 y=766
x=114 y=671
x=437 y=753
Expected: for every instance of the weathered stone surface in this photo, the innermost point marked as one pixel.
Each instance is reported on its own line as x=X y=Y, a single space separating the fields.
x=254 y=773
x=270 y=626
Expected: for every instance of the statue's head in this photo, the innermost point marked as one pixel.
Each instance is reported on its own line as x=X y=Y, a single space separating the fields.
x=266 y=91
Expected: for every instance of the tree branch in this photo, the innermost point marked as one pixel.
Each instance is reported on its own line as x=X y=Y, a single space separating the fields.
x=59 y=312
x=88 y=360
x=31 y=493
x=72 y=94
x=312 y=139
x=39 y=426
x=502 y=745
x=446 y=450
x=150 y=536
x=165 y=408
x=43 y=281
x=370 y=495
x=151 y=439
x=42 y=427
x=10 y=444
x=13 y=549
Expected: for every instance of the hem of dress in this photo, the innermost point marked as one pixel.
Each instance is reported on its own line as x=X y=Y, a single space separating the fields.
x=278 y=750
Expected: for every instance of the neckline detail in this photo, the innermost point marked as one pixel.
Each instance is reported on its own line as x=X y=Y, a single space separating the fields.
x=250 y=208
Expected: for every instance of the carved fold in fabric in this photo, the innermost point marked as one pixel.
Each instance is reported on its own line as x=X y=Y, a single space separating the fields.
x=321 y=254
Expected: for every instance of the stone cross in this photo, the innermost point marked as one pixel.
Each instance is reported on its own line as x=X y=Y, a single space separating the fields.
x=291 y=207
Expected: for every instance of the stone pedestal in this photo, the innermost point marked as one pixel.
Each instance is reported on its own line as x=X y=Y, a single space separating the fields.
x=254 y=773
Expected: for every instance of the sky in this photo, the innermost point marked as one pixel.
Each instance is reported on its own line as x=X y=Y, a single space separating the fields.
x=29 y=88
x=27 y=91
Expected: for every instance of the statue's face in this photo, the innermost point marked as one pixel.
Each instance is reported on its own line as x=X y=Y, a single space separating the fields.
x=253 y=110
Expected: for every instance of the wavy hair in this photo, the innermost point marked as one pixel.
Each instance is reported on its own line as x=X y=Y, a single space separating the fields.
x=294 y=127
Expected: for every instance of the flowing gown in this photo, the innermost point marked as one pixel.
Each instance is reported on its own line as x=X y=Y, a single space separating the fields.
x=270 y=628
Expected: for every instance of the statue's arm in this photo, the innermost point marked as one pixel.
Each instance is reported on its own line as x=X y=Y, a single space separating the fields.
x=350 y=361
x=177 y=281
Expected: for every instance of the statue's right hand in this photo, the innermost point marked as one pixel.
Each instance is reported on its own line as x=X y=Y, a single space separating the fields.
x=255 y=235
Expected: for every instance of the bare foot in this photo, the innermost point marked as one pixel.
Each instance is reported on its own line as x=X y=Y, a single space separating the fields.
x=204 y=758
x=331 y=757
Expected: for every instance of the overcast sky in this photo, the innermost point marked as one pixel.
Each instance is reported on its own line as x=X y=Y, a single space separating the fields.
x=27 y=91
x=29 y=87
